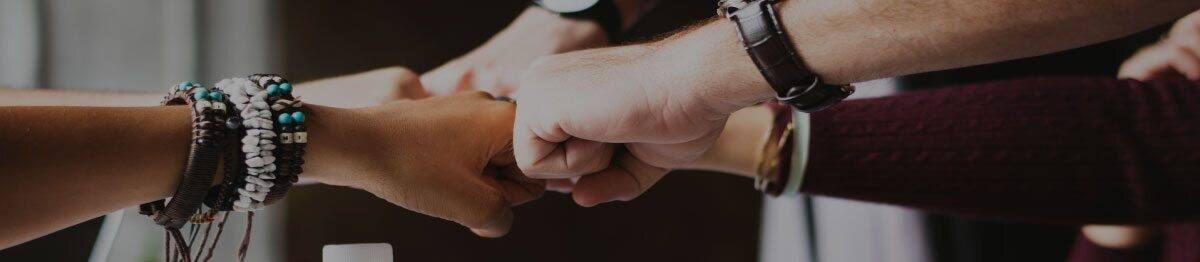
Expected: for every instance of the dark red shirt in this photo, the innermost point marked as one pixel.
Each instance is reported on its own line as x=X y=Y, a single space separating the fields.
x=1062 y=150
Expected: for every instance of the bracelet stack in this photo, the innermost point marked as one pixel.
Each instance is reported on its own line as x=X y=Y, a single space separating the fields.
x=256 y=128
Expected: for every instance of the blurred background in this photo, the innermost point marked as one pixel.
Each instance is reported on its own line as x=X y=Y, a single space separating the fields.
x=146 y=45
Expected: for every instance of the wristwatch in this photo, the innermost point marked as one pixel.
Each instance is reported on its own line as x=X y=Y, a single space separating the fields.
x=603 y=12
x=768 y=45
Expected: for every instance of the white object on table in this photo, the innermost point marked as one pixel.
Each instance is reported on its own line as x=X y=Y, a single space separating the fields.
x=373 y=252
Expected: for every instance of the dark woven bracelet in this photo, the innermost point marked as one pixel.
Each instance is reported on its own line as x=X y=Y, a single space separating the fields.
x=209 y=134
x=221 y=197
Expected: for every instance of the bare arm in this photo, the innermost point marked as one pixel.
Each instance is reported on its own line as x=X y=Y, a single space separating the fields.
x=61 y=166
x=850 y=41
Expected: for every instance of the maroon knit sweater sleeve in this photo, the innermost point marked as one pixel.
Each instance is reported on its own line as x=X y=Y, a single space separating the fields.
x=1054 y=150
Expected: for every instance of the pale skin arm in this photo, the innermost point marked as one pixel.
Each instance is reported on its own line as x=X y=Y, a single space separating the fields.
x=684 y=87
x=854 y=41
x=63 y=165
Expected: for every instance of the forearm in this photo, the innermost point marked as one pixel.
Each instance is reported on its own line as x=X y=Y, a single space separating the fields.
x=1062 y=150
x=852 y=41
x=60 y=166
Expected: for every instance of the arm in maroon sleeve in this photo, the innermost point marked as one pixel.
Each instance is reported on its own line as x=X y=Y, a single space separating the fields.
x=1053 y=150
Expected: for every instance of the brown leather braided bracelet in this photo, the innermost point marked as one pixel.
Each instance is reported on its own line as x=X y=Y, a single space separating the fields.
x=221 y=197
x=209 y=134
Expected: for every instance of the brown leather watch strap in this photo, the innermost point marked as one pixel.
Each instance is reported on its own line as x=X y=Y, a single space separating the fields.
x=771 y=50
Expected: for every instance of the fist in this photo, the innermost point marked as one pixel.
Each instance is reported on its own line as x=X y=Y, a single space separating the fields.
x=614 y=118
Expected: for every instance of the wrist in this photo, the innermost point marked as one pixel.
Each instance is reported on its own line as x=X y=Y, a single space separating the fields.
x=336 y=139
x=717 y=70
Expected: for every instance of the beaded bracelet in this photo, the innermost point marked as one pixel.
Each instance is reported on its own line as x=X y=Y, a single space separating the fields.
x=289 y=115
x=258 y=143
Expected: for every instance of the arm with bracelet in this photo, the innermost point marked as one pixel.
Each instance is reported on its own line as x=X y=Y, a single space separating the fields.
x=64 y=165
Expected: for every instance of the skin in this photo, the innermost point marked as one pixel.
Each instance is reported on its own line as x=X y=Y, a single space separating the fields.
x=506 y=55
x=61 y=165
x=537 y=33
x=617 y=119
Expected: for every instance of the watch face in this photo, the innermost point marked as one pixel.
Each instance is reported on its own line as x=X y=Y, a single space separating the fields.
x=567 y=6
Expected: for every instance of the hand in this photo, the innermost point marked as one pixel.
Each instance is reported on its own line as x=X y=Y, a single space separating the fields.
x=496 y=66
x=1178 y=53
x=620 y=118
x=364 y=89
x=447 y=157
